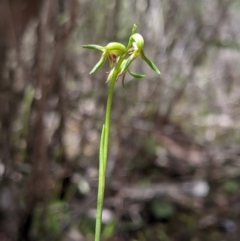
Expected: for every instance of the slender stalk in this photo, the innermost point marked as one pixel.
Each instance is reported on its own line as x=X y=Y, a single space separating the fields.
x=108 y=120
x=103 y=154
x=101 y=187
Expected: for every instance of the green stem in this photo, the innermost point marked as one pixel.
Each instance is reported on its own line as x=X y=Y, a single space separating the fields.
x=108 y=120
x=103 y=156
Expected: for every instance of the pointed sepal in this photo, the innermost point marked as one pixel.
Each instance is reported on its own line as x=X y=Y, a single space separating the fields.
x=93 y=46
x=135 y=75
x=150 y=63
x=99 y=63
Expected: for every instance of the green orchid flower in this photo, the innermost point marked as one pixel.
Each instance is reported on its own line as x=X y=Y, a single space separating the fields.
x=135 y=49
x=110 y=52
x=114 y=51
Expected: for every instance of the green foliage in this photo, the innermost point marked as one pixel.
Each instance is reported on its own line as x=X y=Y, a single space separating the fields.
x=163 y=236
x=231 y=186
x=162 y=209
x=109 y=229
x=87 y=225
x=56 y=213
x=229 y=45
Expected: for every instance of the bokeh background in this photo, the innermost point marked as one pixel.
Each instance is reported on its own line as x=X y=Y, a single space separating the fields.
x=174 y=167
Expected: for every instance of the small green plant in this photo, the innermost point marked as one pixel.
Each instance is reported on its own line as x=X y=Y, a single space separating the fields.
x=120 y=58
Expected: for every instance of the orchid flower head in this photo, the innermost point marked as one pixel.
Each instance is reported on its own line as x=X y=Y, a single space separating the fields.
x=135 y=49
x=111 y=51
x=121 y=57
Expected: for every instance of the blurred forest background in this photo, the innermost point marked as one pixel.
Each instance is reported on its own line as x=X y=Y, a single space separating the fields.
x=174 y=161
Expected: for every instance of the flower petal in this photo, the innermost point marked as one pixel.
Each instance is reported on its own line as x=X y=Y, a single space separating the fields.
x=110 y=74
x=126 y=63
x=150 y=63
x=135 y=75
x=93 y=46
x=99 y=63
